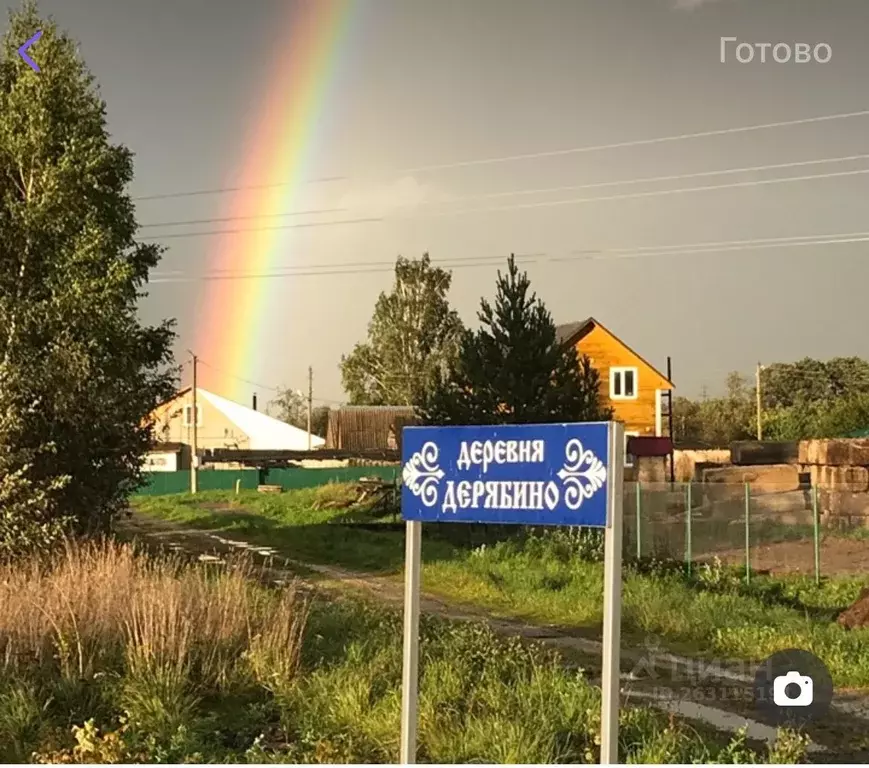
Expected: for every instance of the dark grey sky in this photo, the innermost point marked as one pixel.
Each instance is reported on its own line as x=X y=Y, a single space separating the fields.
x=444 y=81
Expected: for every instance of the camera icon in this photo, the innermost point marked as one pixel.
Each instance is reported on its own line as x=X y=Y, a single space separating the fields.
x=803 y=682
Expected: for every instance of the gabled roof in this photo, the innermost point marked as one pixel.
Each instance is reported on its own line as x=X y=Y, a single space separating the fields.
x=264 y=432
x=567 y=332
x=571 y=333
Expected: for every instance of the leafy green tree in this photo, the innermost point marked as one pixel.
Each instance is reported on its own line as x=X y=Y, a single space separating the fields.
x=837 y=417
x=412 y=337
x=717 y=421
x=320 y=420
x=79 y=373
x=812 y=381
x=802 y=400
x=513 y=370
x=784 y=384
x=291 y=406
x=848 y=376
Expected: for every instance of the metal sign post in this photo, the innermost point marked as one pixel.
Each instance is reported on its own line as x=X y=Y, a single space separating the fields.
x=612 y=601
x=528 y=474
x=410 y=666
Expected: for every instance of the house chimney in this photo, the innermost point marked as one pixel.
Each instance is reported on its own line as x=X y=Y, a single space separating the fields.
x=254 y=400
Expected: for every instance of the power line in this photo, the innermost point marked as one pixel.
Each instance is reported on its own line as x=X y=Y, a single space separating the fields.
x=314 y=212
x=260 y=385
x=725 y=249
x=635 y=142
x=652 y=193
x=528 y=206
x=674 y=250
x=239 y=188
x=713 y=243
x=530 y=155
x=175 y=235
x=390 y=266
x=532 y=191
x=653 y=179
x=239 y=378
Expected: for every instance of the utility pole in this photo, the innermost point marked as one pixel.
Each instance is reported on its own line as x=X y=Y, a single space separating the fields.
x=759 y=414
x=670 y=422
x=194 y=457
x=310 y=402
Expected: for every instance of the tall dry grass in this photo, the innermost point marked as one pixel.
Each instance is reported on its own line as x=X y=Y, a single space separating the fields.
x=101 y=607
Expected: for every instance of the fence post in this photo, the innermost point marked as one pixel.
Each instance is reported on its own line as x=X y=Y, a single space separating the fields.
x=817 y=524
x=689 y=513
x=639 y=522
x=747 y=533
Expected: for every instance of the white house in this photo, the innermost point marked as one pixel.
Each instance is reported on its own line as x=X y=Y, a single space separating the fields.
x=222 y=423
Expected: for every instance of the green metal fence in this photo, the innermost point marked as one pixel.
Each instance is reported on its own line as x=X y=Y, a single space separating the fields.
x=806 y=530
x=309 y=478
x=758 y=529
x=163 y=483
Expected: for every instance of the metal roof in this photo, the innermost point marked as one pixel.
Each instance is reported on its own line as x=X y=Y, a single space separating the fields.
x=264 y=432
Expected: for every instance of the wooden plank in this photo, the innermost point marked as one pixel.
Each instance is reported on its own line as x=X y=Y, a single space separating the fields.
x=749 y=452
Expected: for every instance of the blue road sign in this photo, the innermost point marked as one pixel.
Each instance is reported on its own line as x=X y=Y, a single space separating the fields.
x=530 y=474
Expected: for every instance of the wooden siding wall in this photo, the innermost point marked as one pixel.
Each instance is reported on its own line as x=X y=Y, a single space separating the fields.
x=361 y=428
x=605 y=351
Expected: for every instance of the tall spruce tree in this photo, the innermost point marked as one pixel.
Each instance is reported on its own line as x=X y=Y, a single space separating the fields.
x=79 y=373
x=513 y=370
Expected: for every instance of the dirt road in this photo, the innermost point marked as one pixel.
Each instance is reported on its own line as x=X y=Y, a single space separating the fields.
x=650 y=675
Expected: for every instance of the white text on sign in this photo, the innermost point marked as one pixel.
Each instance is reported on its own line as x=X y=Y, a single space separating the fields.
x=486 y=452
x=503 y=494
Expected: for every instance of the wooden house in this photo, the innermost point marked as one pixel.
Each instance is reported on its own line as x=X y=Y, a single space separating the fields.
x=629 y=384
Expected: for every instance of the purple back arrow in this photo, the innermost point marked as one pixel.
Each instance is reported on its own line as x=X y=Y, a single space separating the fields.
x=22 y=51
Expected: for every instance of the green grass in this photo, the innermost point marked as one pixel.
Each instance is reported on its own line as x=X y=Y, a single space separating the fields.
x=109 y=656
x=556 y=579
x=713 y=613
x=297 y=523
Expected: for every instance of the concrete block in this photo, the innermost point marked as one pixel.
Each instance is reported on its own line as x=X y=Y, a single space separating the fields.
x=651 y=469
x=860 y=452
x=836 y=453
x=772 y=478
x=855 y=479
x=844 y=503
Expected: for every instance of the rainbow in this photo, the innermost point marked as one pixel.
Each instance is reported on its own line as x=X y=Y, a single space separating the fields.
x=276 y=164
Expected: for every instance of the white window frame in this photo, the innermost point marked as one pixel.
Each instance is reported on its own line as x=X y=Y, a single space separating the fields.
x=629 y=460
x=188 y=410
x=620 y=371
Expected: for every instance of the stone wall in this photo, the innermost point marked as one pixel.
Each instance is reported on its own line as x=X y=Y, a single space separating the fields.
x=840 y=470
